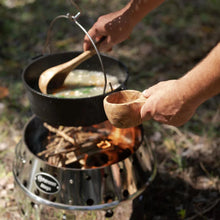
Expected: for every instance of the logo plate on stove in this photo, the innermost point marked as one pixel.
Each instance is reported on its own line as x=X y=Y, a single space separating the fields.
x=46 y=183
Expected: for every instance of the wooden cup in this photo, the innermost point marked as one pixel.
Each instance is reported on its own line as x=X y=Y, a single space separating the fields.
x=123 y=108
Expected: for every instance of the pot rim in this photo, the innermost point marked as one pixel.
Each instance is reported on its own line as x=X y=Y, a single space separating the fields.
x=49 y=96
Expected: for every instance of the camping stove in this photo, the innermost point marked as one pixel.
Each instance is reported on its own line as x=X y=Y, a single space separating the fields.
x=45 y=191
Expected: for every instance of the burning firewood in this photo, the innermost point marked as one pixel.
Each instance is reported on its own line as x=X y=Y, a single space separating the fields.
x=60 y=133
x=66 y=146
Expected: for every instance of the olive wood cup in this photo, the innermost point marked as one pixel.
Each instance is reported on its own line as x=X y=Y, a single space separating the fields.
x=123 y=108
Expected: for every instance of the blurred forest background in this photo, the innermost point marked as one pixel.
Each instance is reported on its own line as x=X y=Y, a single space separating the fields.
x=165 y=45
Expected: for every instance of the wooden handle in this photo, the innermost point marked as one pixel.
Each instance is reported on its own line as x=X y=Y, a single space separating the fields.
x=123 y=108
x=72 y=64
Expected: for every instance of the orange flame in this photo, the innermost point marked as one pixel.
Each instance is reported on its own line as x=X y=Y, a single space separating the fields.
x=104 y=144
x=116 y=144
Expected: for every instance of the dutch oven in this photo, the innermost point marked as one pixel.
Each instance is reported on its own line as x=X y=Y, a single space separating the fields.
x=70 y=111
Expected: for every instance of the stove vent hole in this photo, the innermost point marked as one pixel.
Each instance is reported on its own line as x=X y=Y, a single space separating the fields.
x=22 y=211
x=25 y=183
x=37 y=192
x=41 y=169
x=90 y=202
x=108 y=198
x=125 y=193
x=53 y=199
x=30 y=162
x=109 y=213
x=88 y=177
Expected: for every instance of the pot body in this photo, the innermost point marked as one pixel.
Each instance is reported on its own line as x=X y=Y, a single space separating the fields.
x=69 y=111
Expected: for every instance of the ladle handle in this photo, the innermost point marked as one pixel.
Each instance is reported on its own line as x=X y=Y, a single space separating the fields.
x=72 y=64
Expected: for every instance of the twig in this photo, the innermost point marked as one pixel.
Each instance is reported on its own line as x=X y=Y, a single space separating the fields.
x=60 y=133
x=74 y=158
x=63 y=151
x=204 y=169
x=204 y=211
x=110 y=84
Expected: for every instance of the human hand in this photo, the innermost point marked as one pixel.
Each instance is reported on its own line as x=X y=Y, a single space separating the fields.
x=113 y=28
x=167 y=103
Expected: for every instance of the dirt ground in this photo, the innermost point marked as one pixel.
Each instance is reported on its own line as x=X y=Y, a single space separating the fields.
x=165 y=45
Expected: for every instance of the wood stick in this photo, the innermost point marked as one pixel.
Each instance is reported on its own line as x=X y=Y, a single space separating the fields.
x=75 y=158
x=60 y=133
x=66 y=145
x=73 y=149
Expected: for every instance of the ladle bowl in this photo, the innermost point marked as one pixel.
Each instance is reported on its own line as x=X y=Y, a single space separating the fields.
x=54 y=77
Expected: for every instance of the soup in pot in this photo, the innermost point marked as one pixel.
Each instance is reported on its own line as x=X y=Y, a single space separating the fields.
x=86 y=83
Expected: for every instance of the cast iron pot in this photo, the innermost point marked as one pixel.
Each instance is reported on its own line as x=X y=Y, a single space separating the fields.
x=70 y=111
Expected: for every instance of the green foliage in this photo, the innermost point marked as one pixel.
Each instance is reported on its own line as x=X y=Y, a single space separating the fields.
x=182 y=213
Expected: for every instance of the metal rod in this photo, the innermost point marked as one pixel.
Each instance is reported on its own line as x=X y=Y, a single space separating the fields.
x=49 y=33
x=97 y=51
x=74 y=18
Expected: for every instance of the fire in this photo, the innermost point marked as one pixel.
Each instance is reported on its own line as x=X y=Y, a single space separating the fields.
x=116 y=145
x=124 y=138
x=121 y=138
x=96 y=145
x=104 y=144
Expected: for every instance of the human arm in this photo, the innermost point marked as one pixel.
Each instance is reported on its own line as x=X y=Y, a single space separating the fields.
x=116 y=27
x=174 y=102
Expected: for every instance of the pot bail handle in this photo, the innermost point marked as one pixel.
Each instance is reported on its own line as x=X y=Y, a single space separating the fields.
x=67 y=16
x=74 y=19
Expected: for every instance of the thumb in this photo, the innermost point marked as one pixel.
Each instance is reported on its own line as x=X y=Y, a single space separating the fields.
x=146 y=111
x=148 y=92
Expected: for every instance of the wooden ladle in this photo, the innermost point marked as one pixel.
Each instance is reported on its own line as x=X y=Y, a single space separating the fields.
x=54 y=77
x=123 y=108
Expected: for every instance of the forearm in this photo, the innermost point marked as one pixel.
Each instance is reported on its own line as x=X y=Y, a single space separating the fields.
x=174 y=102
x=117 y=26
x=138 y=9
x=203 y=81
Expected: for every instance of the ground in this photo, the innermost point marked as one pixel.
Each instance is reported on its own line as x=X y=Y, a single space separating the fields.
x=165 y=45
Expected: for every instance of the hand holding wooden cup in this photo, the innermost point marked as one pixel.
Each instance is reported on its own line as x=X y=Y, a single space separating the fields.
x=123 y=108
